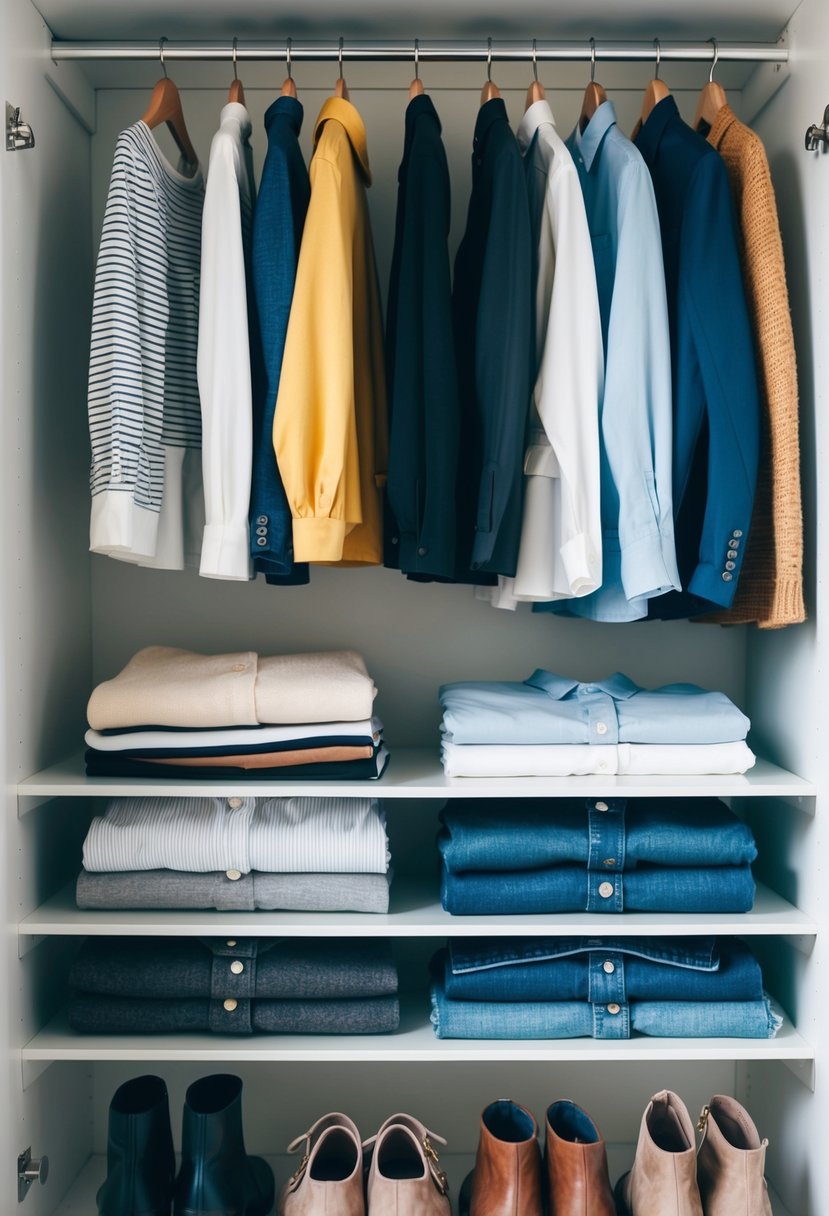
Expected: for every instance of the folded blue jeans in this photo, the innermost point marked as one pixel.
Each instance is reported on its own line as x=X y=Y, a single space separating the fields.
x=599 y=970
x=614 y=1020
x=530 y=834
x=571 y=888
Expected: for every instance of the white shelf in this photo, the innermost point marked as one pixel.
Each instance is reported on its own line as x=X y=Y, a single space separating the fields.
x=417 y=773
x=415 y=912
x=80 y=1200
x=414 y=1042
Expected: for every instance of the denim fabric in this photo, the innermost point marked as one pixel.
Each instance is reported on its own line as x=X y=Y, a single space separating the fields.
x=580 y=1019
x=535 y=833
x=93 y=1013
x=314 y=969
x=600 y=969
x=570 y=888
x=284 y=193
x=551 y=709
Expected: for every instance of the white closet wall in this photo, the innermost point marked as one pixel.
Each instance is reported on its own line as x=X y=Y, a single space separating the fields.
x=68 y=621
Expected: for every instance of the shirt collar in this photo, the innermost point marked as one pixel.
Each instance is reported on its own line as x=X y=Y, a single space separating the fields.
x=617 y=686
x=538 y=113
x=337 y=109
x=652 y=130
x=420 y=106
x=287 y=108
x=234 y=111
x=490 y=113
x=590 y=139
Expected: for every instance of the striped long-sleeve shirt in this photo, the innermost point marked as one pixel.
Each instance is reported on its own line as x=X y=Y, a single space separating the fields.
x=143 y=394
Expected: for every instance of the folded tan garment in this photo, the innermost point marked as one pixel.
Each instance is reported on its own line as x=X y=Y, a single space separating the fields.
x=162 y=686
x=310 y=755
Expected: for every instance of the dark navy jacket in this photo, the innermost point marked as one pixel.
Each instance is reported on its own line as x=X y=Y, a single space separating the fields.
x=277 y=231
x=420 y=359
x=716 y=400
x=492 y=306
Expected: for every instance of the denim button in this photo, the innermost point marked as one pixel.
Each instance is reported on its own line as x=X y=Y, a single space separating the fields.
x=614 y=1008
x=606 y=890
x=230 y=1004
x=237 y=967
x=608 y=967
x=602 y=806
x=609 y=861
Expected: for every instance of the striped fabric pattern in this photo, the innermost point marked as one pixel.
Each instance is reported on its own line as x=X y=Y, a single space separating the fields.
x=238 y=835
x=143 y=392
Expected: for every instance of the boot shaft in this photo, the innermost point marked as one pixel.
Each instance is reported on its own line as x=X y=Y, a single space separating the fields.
x=664 y=1174
x=140 y=1157
x=731 y=1162
x=507 y=1179
x=576 y=1162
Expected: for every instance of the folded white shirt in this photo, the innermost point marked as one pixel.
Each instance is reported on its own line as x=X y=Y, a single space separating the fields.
x=158 y=740
x=581 y=759
x=239 y=834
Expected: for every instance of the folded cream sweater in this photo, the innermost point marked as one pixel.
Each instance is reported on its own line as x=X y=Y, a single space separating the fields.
x=162 y=686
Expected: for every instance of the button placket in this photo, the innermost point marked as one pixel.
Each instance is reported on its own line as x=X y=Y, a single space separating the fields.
x=606 y=834
x=233 y=973
x=231 y=1016
x=606 y=977
x=611 y=1021
x=602 y=720
x=604 y=894
x=236 y=832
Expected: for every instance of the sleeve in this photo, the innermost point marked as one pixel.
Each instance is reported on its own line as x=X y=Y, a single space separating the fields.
x=425 y=416
x=126 y=365
x=502 y=367
x=637 y=407
x=711 y=280
x=314 y=431
x=224 y=372
x=568 y=391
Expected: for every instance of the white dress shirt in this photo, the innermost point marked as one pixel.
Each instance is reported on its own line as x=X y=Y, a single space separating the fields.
x=581 y=760
x=560 y=554
x=224 y=367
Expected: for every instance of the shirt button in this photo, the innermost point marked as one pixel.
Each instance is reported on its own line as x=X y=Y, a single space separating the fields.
x=232 y=942
x=395 y=540
x=602 y=766
x=730 y=565
x=608 y=968
x=261 y=519
x=602 y=806
x=234 y=803
x=233 y=875
x=726 y=578
x=606 y=890
x=601 y=728
x=614 y=1009
x=422 y=552
x=239 y=667
x=230 y=1004
x=236 y=967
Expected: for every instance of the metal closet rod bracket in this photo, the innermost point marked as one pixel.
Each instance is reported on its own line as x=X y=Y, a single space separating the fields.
x=818 y=134
x=428 y=51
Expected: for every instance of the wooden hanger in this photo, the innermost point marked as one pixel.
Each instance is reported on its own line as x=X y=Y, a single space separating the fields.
x=594 y=94
x=711 y=99
x=416 y=87
x=490 y=89
x=236 y=92
x=165 y=106
x=536 y=90
x=341 y=88
x=288 y=86
x=656 y=91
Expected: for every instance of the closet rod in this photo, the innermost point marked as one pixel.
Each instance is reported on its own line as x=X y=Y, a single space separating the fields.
x=434 y=51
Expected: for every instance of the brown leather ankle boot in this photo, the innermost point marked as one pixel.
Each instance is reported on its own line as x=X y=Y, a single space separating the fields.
x=577 y=1178
x=731 y=1161
x=664 y=1175
x=506 y=1180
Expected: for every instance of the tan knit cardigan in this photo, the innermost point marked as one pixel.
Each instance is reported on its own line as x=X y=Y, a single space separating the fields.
x=770 y=591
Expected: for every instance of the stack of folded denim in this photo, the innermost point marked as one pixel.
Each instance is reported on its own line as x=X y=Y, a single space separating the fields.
x=269 y=985
x=550 y=726
x=604 y=988
x=173 y=713
x=237 y=854
x=534 y=856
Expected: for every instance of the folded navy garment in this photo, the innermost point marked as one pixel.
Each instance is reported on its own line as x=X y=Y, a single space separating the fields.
x=250 y=968
x=569 y=888
x=94 y=1013
x=599 y=970
x=529 y=834
x=113 y=764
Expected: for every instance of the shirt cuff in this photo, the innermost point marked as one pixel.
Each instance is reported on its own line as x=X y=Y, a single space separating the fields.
x=119 y=527
x=318 y=539
x=225 y=552
x=582 y=561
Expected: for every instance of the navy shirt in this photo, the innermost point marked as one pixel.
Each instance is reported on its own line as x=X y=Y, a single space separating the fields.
x=284 y=193
x=715 y=395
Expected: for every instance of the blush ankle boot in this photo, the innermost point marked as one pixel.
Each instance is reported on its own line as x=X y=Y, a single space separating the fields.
x=731 y=1161
x=663 y=1181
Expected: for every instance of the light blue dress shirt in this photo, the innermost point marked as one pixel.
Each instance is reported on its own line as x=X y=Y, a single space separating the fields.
x=639 y=558
x=550 y=709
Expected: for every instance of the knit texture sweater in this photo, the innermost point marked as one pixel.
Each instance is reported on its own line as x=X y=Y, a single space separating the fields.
x=771 y=584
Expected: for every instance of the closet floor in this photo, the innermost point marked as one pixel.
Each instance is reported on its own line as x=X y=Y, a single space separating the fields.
x=80 y=1201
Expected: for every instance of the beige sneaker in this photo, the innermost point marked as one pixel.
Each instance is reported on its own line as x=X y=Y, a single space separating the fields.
x=405 y=1178
x=329 y=1179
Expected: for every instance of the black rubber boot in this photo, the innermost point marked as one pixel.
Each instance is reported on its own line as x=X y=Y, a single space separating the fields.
x=217 y=1178
x=141 y=1164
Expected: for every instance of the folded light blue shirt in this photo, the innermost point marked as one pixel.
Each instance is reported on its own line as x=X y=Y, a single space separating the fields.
x=550 y=709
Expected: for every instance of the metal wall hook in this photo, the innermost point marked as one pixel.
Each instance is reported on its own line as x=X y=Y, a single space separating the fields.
x=161 y=42
x=535 y=61
x=818 y=134
x=489 y=59
x=716 y=46
x=592 y=60
x=19 y=135
x=658 y=46
x=235 y=73
x=288 y=59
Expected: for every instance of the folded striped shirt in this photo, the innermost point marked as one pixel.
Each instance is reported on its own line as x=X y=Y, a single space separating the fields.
x=238 y=835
